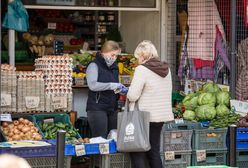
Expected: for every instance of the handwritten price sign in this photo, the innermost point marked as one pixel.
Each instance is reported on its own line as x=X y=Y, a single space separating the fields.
x=59 y=102
x=104 y=148
x=80 y=150
x=32 y=102
x=5 y=99
x=170 y=155
x=201 y=155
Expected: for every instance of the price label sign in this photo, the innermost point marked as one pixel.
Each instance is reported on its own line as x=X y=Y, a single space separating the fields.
x=32 y=101
x=179 y=121
x=59 y=102
x=104 y=148
x=200 y=155
x=5 y=99
x=80 y=150
x=169 y=155
x=5 y=117
x=51 y=26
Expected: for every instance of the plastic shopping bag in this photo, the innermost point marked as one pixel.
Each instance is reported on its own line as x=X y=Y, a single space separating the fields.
x=17 y=17
x=133 y=130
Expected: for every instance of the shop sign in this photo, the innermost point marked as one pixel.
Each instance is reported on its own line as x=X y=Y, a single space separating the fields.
x=200 y=155
x=5 y=99
x=169 y=155
x=104 y=148
x=5 y=117
x=59 y=102
x=80 y=150
x=32 y=101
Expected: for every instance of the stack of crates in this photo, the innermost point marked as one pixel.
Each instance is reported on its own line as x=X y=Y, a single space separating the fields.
x=242 y=147
x=209 y=147
x=176 y=145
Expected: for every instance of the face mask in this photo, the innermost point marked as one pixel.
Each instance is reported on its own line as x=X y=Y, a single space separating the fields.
x=109 y=61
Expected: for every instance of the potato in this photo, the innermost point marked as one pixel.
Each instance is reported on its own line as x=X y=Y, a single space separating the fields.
x=25 y=129
x=16 y=123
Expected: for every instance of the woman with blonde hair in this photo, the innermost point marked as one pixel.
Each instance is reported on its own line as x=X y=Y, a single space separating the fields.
x=12 y=161
x=103 y=80
x=151 y=87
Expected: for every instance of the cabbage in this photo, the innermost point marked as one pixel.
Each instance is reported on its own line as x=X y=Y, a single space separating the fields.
x=189 y=115
x=190 y=101
x=222 y=110
x=211 y=88
x=223 y=98
x=207 y=98
x=205 y=112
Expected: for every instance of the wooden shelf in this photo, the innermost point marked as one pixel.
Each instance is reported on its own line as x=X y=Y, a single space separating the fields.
x=78 y=87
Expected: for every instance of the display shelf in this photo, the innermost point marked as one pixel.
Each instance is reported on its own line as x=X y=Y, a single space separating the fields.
x=78 y=87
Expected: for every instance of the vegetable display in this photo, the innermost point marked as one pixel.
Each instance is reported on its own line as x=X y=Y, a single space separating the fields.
x=210 y=104
x=21 y=129
x=50 y=130
x=224 y=121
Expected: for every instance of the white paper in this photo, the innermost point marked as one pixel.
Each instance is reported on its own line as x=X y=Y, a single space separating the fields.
x=169 y=155
x=104 y=148
x=5 y=99
x=32 y=101
x=99 y=140
x=5 y=117
x=80 y=150
x=201 y=155
x=59 y=102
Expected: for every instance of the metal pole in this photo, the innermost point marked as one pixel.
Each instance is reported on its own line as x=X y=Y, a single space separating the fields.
x=232 y=145
x=233 y=48
x=11 y=46
x=60 y=149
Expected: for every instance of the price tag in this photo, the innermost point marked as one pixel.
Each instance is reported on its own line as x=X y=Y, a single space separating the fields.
x=173 y=135
x=59 y=102
x=80 y=150
x=170 y=155
x=5 y=99
x=51 y=26
x=179 y=121
x=104 y=148
x=200 y=155
x=5 y=117
x=32 y=101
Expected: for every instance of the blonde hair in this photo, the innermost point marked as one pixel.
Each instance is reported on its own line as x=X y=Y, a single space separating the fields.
x=109 y=46
x=146 y=49
x=12 y=161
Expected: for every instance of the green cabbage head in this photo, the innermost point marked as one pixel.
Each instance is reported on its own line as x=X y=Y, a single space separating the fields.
x=189 y=115
x=211 y=87
x=223 y=98
x=205 y=112
x=222 y=110
x=207 y=98
x=190 y=101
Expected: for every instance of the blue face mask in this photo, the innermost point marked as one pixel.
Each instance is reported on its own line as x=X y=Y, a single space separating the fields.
x=109 y=61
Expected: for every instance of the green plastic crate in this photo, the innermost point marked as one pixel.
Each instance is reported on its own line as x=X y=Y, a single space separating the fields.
x=186 y=125
x=242 y=158
x=213 y=157
x=20 y=56
x=64 y=118
x=209 y=139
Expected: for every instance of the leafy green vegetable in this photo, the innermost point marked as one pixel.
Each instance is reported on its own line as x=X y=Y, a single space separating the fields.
x=189 y=115
x=205 y=112
x=222 y=110
x=223 y=98
x=211 y=88
x=190 y=101
x=224 y=121
x=207 y=98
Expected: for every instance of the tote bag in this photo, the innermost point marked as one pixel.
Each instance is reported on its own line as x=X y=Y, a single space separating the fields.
x=133 y=130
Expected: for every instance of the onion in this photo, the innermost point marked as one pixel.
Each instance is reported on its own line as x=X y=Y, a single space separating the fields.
x=21 y=120
x=16 y=137
x=31 y=124
x=16 y=122
x=6 y=132
x=10 y=134
x=36 y=129
x=20 y=127
x=5 y=124
x=25 y=121
x=25 y=129
x=10 y=139
x=21 y=134
x=11 y=126
x=16 y=131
